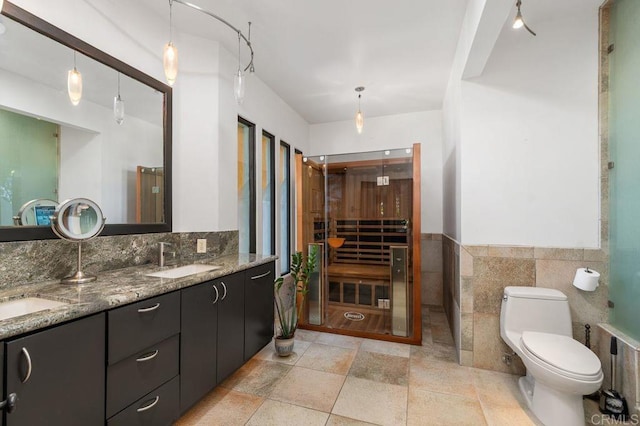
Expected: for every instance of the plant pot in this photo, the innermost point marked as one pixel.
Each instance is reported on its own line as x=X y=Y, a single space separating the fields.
x=284 y=347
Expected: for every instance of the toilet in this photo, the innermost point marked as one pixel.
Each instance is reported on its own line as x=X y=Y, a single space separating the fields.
x=536 y=323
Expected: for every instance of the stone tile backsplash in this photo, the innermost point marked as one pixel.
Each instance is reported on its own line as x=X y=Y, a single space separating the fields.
x=28 y=261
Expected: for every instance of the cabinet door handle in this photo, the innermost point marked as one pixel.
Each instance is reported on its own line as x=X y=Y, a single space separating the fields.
x=224 y=287
x=257 y=277
x=149 y=309
x=149 y=406
x=25 y=353
x=217 y=295
x=149 y=357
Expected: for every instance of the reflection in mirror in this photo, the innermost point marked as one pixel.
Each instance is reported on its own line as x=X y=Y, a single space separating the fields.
x=35 y=212
x=51 y=149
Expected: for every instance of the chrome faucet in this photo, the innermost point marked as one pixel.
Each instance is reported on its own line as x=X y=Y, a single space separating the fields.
x=162 y=252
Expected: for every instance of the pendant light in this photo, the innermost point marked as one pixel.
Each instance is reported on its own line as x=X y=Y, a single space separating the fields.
x=518 y=22
x=118 y=105
x=170 y=56
x=239 y=80
x=359 y=116
x=74 y=83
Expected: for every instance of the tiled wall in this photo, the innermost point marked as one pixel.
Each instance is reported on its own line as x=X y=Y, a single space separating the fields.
x=28 y=261
x=431 y=280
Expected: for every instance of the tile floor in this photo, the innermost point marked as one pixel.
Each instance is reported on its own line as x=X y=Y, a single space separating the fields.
x=340 y=380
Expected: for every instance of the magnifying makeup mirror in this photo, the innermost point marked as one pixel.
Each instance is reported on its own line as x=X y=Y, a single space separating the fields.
x=36 y=212
x=78 y=220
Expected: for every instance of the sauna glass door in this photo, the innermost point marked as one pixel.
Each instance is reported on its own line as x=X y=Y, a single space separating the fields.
x=365 y=214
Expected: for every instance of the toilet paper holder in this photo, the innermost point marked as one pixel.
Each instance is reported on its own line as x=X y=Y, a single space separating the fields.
x=586 y=279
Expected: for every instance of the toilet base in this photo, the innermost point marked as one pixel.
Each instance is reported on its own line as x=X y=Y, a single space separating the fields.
x=551 y=407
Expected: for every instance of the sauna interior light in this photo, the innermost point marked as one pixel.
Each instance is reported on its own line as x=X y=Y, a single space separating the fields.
x=74 y=83
x=359 y=116
x=518 y=22
x=170 y=57
x=118 y=106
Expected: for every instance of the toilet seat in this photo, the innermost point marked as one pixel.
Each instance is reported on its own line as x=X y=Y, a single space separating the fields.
x=562 y=354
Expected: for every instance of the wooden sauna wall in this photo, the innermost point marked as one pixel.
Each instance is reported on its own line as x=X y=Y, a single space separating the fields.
x=354 y=193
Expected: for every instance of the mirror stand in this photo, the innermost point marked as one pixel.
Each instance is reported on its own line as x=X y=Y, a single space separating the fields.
x=79 y=277
x=78 y=220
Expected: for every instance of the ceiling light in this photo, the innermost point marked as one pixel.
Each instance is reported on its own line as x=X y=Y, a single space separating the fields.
x=387 y=152
x=74 y=83
x=408 y=150
x=170 y=54
x=118 y=105
x=518 y=22
x=170 y=58
x=359 y=116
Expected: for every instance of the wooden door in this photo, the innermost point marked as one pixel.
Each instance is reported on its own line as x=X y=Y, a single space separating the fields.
x=149 y=194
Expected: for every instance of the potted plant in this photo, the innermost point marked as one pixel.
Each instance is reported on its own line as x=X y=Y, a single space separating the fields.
x=287 y=309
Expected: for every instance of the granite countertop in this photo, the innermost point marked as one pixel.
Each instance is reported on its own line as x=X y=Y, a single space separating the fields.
x=111 y=289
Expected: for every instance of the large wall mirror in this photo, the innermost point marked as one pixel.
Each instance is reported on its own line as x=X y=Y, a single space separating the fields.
x=53 y=150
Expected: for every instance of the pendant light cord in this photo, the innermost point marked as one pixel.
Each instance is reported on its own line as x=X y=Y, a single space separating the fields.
x=170 y=21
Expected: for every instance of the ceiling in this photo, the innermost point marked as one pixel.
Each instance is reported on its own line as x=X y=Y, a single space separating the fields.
x=313 y=53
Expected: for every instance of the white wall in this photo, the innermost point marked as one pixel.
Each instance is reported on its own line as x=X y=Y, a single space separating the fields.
x=530 y=156
x=388 y=132
x=521 y=157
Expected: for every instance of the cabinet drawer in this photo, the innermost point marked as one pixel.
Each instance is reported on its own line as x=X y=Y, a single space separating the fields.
x=135 y=327
x=157 y=408
x=139 y=374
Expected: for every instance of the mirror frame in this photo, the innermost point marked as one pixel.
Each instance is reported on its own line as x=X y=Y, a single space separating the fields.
x=48 y=30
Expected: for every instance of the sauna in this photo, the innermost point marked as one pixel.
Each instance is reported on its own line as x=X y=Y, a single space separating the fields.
x=359 y=210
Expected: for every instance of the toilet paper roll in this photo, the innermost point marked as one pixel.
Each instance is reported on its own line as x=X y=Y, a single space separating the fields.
x=586 y=279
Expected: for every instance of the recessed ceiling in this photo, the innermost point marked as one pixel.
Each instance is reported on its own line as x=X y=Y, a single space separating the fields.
x=314 y=53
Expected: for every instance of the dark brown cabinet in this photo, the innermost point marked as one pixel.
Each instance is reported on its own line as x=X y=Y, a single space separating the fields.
x=58 y=374
x=258 y=308
x=212 y=335
x=143 y=359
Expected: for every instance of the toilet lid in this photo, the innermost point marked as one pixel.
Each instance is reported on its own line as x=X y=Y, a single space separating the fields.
x=562 y=352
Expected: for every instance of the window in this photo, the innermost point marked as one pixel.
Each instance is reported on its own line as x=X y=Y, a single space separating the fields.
x=268 y=194
x=246 y=186
x=284 y=182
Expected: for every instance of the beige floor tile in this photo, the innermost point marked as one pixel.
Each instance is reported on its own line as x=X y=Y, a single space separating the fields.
x=276 y=413
x=381 y=368
x=498 y=388
x=373 y=402
x=307 y=335
x=339 y=340
x=443 y=377
x=345 y=421
x=435 y=351
x=432 y=408
x=257 y=377
x=268 y=353
x=331 y=359
x=387 y=348
x=309 y=388
x=222 y=407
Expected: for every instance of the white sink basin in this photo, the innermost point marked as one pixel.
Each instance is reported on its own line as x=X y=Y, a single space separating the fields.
x=183 y=271
x=28 y=305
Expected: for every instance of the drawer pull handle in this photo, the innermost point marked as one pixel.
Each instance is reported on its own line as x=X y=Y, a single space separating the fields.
x=224 y=287
x=217 y=295
x=149 y=309
x=25 y=352
x=257 y=277
x=149 y=406
x=149 y=357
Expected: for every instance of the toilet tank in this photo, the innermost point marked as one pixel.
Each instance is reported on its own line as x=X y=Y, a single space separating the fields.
x=539 y=309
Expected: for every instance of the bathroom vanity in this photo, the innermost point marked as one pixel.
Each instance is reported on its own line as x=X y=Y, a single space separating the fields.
x=132 y=349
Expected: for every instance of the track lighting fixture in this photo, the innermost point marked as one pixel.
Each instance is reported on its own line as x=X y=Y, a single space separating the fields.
x=170 y=58
x=518 y=22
